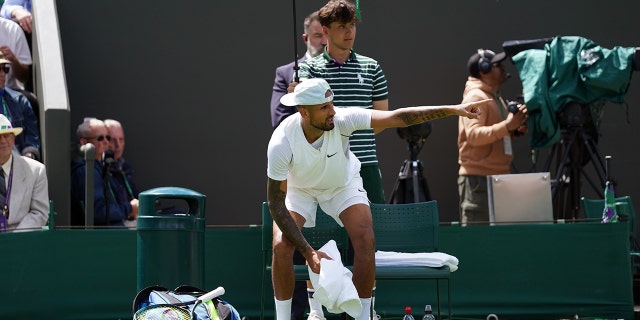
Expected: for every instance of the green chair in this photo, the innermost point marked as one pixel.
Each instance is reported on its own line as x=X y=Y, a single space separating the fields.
x=411 y=227
x=626 y=212
x=593 y=209
x=326 y=229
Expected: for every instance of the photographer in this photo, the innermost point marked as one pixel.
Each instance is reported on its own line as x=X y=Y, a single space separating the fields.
x=484 y=144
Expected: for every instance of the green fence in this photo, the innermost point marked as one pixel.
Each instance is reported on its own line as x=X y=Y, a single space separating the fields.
x=515 y=271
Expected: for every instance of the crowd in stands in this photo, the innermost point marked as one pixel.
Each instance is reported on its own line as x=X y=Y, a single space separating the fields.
x=24 y=192
x=115 y=200
x=330 y=55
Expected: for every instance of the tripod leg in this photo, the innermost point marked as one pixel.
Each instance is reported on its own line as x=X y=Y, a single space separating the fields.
x=575 y=182
x=402 y=176
x=415 y=178
x=563 y=162
x=424 y=184
x=595 y=157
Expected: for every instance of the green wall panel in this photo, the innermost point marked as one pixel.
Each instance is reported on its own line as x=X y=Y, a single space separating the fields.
x=516 y=271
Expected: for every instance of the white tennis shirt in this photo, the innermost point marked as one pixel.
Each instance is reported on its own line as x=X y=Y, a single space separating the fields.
x=325 y=164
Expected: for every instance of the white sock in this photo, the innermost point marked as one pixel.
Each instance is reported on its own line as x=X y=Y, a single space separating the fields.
x=283 y=309
x=366 y=309
x=314 y=305
x=373 y=298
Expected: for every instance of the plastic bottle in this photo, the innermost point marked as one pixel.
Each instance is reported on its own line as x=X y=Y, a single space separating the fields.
x=428 y=313
x=407 y=314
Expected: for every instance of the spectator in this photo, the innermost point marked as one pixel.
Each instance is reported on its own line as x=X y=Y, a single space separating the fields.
x=24 y=191
x=484 y=143
x=16 y=107
x=13 y=45
x=121 y=170
x=315 y=41
x=19 y=11
x=95 y=132
x=310 y=164
x=358 y=81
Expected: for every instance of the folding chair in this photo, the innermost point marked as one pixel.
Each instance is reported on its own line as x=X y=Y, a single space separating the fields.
x=326 y=229
x=412 y=228
x=593 y=209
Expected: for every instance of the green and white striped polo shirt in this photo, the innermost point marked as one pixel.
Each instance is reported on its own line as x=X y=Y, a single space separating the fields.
x=356 y=83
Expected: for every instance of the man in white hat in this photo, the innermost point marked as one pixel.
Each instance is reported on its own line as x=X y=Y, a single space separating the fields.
x=310 y=164
x=24 y=191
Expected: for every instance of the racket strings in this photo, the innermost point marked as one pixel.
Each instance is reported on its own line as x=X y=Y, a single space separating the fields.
x=163 y=312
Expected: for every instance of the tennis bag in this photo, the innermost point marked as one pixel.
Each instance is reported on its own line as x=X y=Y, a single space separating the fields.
x=181 y=303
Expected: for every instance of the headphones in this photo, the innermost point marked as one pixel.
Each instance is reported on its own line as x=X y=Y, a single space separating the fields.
x=484 y=63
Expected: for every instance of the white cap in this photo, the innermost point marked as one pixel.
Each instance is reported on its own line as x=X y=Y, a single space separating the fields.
x=308 y=92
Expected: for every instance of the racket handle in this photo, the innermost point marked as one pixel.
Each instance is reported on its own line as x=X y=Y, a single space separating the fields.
x=212 y=294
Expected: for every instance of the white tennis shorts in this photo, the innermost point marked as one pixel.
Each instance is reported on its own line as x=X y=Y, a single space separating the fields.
x=332 y=201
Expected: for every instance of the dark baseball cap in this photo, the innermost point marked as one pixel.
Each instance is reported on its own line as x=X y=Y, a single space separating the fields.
x=472 y=64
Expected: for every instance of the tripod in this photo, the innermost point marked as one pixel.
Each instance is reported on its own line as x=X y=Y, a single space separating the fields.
x=411 y=186
x=576 y=148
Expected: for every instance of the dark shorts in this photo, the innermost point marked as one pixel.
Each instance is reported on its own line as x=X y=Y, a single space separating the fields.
x=474 y=204
x=372 y=182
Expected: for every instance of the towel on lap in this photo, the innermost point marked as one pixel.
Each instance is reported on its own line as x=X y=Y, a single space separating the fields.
x=428 y=259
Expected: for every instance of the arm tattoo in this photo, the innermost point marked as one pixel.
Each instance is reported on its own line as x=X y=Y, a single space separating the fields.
x=282 y=217
x=411 y=116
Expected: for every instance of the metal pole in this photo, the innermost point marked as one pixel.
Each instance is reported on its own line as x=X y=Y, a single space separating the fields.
x=607 y=161
x=89 y=151
x=296 y=78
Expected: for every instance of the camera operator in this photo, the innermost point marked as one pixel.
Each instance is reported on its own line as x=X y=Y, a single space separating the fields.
x=484 y=144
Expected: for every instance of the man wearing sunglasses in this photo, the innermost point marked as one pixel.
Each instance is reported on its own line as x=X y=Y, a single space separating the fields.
x=106 y=195
x=16 y=107
x=14 y=46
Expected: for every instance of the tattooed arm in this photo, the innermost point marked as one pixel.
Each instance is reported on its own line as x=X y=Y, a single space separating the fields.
x=407 y=116
x=276 y=192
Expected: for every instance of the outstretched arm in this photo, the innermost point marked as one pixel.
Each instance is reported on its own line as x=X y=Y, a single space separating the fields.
x=407 y=116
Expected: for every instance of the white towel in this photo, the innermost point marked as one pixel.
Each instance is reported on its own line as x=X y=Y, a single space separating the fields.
x=334 y=288
x=429 y=259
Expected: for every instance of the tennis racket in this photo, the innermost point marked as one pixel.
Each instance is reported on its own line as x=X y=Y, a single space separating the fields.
x=176 y=311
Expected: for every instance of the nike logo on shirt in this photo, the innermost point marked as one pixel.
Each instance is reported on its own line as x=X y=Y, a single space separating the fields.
x=331 y=155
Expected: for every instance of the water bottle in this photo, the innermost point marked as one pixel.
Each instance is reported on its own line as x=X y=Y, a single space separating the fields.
x=407 y=314
x=428 y=314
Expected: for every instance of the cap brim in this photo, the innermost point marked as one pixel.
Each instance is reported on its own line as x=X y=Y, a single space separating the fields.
x=289 y=100
x=499 y=57
x=15 y=131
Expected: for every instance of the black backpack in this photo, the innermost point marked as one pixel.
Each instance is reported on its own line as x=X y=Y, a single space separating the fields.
x=181 y=303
